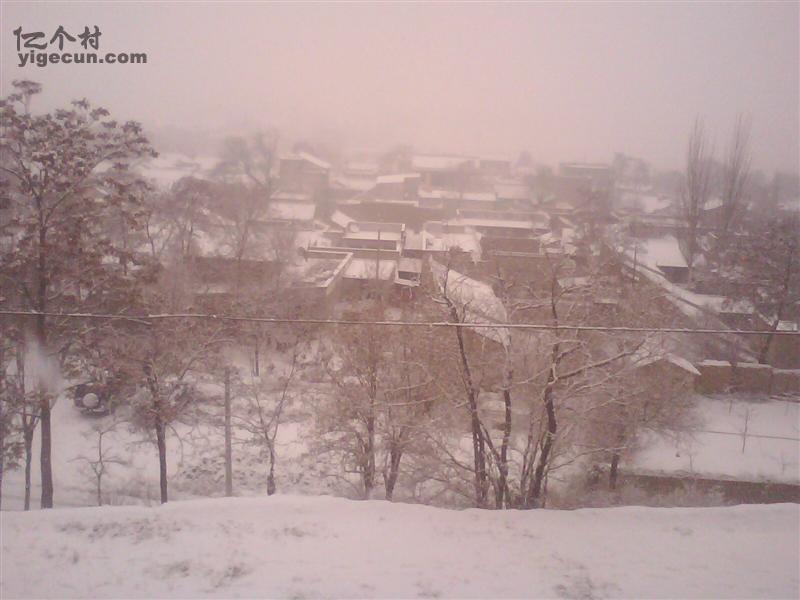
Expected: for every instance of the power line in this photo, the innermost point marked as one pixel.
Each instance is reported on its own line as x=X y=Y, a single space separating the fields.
x=149 y=318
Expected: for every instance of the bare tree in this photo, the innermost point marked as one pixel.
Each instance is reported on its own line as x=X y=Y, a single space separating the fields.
x=629 y=404
x=168 y=358
x=100 y=462
x=736 y=173
x=251 y=159
x=696 y=188
x=410 y=396
x=380 y=399
x=767 y=258
x=262 y=404
x=349 y=420
x=547 y=383
x=463 y=302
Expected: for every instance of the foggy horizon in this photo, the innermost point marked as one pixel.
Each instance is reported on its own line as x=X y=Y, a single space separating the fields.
x=563 y=82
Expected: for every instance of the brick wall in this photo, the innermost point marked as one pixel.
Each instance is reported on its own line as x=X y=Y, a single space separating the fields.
x=720 y=377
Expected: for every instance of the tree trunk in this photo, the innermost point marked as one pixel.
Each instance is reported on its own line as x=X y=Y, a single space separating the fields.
x=46 y=467
x=502 y=491
x=256 y=359
x=271 y=487
x=162 y=458
x=41 y=338
x=395 y=455
x=547 y=446
x=28 y=437
x=369 y=459
x=228 y=442
x=478 y=443
x=613 y=471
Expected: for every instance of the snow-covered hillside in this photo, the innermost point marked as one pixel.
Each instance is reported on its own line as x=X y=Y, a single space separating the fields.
x=304 y=547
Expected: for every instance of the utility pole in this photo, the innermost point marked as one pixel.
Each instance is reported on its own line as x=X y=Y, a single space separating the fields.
x=635 y=252
x=228 y=445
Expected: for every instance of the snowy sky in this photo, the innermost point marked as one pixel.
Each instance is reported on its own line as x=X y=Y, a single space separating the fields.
x=576 y=81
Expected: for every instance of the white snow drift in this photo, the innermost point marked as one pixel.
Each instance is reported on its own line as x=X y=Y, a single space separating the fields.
x=307 y=547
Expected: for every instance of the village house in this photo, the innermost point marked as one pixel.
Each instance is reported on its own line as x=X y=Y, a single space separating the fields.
x=582 y=184
x=396 y=187
x=443 y=172
x=302 y=173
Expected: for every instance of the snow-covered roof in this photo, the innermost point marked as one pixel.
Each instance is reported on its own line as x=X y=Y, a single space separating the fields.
x=356 y=184
x=397 y=177
x=671 y=358
x=364 y=268
x=723 y=304
x=493 y=222
x=403 y=202
x=370 y=230
x=714 y=363
x=371 y=234
x=319 y=272
x=646 y=203
x=428 y=193
x=367 y=168
x=466 y=241
x=314 y=160
x=475 y=298
x=479 y=196
x=664 y=251
x=291 y=196
x=291 y=211
x=424 y=162
x=591 y=166
x=341 y=219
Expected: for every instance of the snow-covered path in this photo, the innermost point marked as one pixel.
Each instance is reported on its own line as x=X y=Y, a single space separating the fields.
x=309 y=547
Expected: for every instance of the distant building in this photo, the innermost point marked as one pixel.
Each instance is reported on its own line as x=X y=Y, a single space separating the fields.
x=398 y=187
x=303 y=173
x=373 y=236
x=584 y=184
x=448 y=172
x=494 y=166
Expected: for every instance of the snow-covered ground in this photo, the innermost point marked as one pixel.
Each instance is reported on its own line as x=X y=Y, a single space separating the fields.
x=194 y=461
x=720 y=448
x=304 y=547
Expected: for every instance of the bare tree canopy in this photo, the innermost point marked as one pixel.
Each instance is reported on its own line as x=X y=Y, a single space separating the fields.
x=736 y=172
x=696 y=186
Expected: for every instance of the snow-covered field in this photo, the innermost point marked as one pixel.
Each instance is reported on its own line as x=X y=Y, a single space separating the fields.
x=728 y=442
x=311 y=547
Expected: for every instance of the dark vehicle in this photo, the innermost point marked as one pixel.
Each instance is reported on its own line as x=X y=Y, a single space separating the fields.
x=93 y=397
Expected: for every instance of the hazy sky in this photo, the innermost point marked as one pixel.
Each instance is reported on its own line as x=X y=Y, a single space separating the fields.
x=564 y=81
